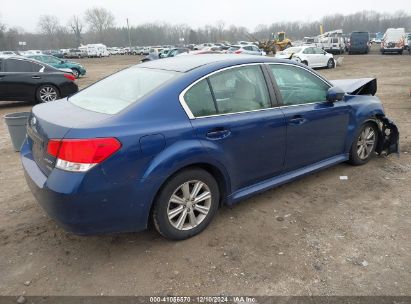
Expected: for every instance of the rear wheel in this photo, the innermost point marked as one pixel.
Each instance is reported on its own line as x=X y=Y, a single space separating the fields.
x=363 y=147
x=186 y=204
x=47 y=93
x=330 y=63
x=76 y=73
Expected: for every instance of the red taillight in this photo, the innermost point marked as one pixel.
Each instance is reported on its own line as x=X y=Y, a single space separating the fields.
x=70 y=77
x=238 y=52
x=81 y=154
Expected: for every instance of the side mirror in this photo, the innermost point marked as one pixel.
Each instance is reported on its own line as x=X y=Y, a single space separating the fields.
x=335 y=94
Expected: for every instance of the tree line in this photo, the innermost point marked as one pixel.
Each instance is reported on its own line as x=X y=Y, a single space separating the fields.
x=97 y=25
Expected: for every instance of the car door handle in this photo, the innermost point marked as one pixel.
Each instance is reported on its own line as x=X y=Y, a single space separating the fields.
x=218 y=133
x=297 y=120
x=36 y=77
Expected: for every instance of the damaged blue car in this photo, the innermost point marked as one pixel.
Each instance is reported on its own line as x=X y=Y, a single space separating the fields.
x=172 y=140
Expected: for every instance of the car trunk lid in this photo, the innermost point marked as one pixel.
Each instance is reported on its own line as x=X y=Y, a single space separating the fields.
x=52 y=121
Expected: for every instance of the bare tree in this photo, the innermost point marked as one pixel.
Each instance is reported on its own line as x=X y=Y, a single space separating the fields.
x=76 y=25
x=49 y=26
x=99 y=20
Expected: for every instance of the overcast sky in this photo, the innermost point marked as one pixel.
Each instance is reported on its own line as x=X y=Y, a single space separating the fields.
x=248 y=13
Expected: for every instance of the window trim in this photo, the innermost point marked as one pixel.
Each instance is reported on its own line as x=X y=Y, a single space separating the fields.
x=277 y=90
x=32 y=61
x=274 y=103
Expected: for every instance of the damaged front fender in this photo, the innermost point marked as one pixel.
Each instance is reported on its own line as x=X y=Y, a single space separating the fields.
x=389 y=137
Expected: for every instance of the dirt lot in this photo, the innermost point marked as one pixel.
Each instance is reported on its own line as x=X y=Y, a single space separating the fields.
x=317 y=236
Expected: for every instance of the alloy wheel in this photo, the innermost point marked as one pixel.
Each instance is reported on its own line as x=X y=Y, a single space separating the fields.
x=366 y=142
x=189 y=205
x=47 y=94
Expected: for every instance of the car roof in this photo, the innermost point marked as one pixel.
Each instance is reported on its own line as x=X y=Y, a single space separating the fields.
x=187 y=63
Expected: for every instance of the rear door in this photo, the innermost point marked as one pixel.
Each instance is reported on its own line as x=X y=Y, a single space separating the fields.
x=316 y=129
x=233 y=115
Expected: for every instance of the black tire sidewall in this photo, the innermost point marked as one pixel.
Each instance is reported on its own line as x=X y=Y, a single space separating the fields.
x=354 y=158
x=38 y=99
x=328 y=65
x=160 y=216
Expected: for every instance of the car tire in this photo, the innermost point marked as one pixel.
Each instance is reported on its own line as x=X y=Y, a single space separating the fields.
x=305 y=62
x=330 y=64
x=188 y=219
x=47 y=93
x=76 y=73
x=361 y=150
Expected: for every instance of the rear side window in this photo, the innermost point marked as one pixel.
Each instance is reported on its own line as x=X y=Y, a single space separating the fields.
x=298 y=86
x=240 y=89
x=118 y=91
x=200 y=100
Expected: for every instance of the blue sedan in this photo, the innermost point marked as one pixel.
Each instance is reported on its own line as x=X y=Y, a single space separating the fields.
x=172 y=140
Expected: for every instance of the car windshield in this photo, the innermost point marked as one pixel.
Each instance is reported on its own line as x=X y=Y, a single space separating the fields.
x=234 y=48
x=118 y=91
x=292 y=50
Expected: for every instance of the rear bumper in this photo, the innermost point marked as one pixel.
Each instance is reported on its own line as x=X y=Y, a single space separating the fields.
x=392 y=50
x=89 y=203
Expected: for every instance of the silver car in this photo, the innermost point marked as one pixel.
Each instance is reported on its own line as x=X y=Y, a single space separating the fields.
x=245 y=49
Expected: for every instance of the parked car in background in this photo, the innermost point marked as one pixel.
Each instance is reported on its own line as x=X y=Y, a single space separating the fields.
x=152 y=55
x=55 y=53
x=250 y=49
x=76 y=68
x=178 y=52
x=393 y=41
x=24 y=79
x=164 y=53
x=359 y=43
x=311 y=56
x=76 y=53
x=7 y=53
x=407 y=41
x=333 y=45
x=115 y=155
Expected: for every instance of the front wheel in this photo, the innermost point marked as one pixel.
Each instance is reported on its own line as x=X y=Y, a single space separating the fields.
x=47 y=93
x=186 y=204
x=363 y=147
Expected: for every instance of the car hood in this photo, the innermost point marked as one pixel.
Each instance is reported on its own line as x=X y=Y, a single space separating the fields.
x=361 y=86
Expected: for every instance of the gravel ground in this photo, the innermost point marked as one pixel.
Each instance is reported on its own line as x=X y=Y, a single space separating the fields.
x=316 y=236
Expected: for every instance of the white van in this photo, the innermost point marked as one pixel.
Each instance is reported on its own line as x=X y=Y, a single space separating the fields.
x=95 y=50
x=393 y=41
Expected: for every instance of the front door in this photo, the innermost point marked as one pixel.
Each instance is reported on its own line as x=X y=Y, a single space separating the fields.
x=235 y=119
x=316 y=129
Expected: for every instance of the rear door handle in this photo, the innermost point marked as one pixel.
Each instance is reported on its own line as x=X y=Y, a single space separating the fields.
x=218 y=133
x=36 y=77
x=297 y=120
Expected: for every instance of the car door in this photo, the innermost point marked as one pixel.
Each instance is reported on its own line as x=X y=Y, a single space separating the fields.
x=321 y=58
x=310 y=56
x=234 y=117
x=316 y=129
x=21 y=79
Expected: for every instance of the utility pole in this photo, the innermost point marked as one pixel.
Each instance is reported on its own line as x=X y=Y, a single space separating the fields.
x=129 y=36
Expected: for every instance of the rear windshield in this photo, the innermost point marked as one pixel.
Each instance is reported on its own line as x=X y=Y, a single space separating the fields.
x=360 y=35
x=234 y=48
x=118 y=91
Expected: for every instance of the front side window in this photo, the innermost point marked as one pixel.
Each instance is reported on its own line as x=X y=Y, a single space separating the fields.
x=240 y=89
x=118 y=91
x=298 y=86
